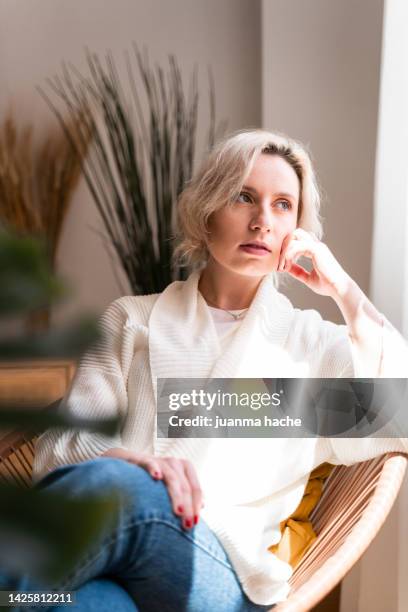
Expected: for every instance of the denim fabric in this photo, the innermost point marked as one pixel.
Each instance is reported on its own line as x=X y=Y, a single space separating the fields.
x=146 y=560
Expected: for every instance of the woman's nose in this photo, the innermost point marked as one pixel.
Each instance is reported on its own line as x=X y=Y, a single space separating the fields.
x=262 y=221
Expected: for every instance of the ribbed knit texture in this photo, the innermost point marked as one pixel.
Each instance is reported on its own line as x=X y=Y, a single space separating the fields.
x=250 y=485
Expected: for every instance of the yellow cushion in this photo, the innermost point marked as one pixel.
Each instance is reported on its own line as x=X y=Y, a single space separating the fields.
x=297 y=530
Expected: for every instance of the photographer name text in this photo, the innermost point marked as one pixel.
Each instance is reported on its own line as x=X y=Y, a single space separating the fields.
x=218 y=422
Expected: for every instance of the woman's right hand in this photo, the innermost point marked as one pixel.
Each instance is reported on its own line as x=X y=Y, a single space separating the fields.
x=179 y=476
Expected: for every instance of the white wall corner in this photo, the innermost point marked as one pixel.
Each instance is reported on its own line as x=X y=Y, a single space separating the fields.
x=389 y=272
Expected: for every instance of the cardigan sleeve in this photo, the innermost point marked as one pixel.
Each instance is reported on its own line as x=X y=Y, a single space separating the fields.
x=341 y=358
x=385 y=354
x=97 y=391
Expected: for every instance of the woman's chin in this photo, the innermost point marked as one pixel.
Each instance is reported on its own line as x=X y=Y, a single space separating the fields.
x=254 y=269
x=248 y=266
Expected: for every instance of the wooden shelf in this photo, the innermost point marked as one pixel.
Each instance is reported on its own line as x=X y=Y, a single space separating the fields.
x=35 y=383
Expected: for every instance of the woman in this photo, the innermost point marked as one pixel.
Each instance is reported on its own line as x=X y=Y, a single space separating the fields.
x=249 y=213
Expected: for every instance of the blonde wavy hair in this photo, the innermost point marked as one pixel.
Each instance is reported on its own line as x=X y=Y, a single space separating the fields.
x=220 y=179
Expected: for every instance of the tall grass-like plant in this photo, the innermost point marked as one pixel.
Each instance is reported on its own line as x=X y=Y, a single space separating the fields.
x=142 y=155
x=36 y=183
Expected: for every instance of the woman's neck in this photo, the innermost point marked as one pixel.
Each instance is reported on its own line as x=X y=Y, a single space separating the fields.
x=225 y=289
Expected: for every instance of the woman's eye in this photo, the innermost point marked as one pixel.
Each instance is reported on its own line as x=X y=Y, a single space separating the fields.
x=244 y=197
x=287 y=205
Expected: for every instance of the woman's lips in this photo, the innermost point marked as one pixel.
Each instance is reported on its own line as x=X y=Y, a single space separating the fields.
x=255 y=250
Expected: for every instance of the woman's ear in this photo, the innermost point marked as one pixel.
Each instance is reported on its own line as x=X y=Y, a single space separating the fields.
x=207 y=234
x=208 y=223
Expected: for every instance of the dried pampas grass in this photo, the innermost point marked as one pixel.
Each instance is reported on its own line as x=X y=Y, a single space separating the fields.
x=36 y=182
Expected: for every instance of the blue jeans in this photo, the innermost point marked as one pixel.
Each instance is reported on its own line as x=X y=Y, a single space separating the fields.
x=146 y=560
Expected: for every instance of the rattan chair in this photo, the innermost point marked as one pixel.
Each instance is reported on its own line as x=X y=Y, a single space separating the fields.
x=355 y=503
x=16 y=458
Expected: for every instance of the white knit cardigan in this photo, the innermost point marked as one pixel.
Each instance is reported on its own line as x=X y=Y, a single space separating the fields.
x=249 y=485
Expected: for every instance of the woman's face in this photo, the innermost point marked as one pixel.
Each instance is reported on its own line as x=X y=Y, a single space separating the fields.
x=247 y=236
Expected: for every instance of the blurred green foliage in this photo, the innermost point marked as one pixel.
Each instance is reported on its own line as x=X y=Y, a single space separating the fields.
x=26 y=282
x=43 y=534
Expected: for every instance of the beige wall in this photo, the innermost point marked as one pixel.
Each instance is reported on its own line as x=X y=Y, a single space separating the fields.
x=320 y=79
x=36 y=36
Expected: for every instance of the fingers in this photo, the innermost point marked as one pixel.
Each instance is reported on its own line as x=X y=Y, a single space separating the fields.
x=298 y=235
x=300 y=273
x=196 y=492
x=184 y=490
x=178 y=492
x=305 y=234
x=151 y=464
x=285 y=243
x=181 y=481
x=295 y=250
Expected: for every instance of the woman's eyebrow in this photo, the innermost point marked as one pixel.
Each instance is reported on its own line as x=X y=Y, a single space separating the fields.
x=248 y=188
x=285 y=194
x=281 y=194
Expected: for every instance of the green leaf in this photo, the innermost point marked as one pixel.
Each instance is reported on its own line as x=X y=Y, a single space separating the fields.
x=26 y=280
x=45 y=533
x=69 y=342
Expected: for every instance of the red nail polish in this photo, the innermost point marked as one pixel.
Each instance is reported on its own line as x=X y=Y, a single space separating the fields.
x=195 y=519
x=180 y=509
x=156 y=474
x=188 y=523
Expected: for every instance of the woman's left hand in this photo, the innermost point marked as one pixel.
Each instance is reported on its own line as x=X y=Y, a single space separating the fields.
x=327 y=276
